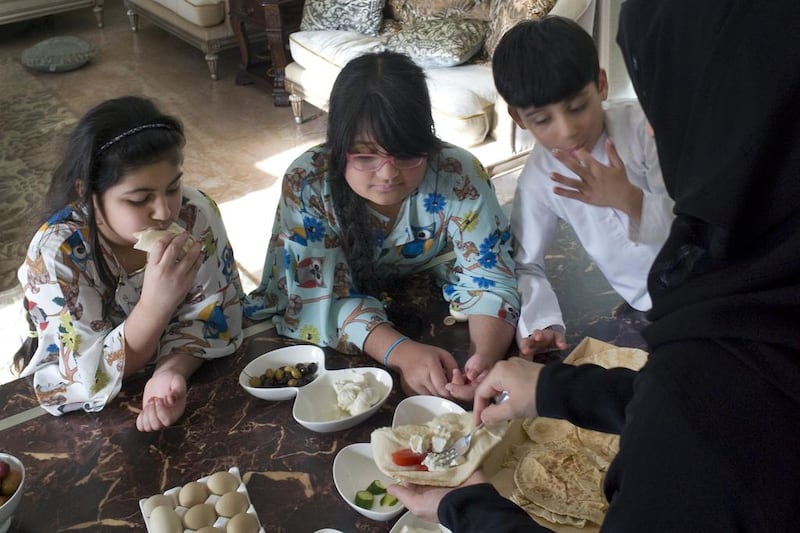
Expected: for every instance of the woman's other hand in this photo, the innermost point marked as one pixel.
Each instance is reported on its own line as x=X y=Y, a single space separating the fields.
x=424 y=501
x=519 y=379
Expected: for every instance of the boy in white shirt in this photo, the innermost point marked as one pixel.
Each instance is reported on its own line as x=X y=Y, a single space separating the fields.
x=610 y=191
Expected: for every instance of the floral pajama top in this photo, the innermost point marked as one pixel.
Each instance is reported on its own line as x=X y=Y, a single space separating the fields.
x=306 y=284
x=80 y=358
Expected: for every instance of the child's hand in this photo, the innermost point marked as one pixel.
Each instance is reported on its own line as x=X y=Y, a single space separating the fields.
x=424 y=369
x=462 y=384
x=598 y=184
x=170 y=273
x=542 y=340
x=163 y=402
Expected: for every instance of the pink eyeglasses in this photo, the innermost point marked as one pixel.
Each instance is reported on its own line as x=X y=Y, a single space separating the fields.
x=375 y=162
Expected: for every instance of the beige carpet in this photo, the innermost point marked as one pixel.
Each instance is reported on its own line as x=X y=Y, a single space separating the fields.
x=34 y=124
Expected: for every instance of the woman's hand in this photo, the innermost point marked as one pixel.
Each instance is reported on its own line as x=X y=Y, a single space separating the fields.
x=170 y=273
x=424 y=501
x=519 y=379
x=424 y=369
x=163 y=402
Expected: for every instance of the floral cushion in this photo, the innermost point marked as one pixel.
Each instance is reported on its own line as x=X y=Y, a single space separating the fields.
x=411 y=11
x=505 y=14
x=437 y=43
x=362 y=16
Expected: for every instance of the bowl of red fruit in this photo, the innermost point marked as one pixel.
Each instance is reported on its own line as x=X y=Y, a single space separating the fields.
x=12 y=482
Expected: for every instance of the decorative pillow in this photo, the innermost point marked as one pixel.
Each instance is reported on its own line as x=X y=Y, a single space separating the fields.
x=437 y=43
x=58 y=54
x=362 y=16
x=413 y=11
x=504 y=15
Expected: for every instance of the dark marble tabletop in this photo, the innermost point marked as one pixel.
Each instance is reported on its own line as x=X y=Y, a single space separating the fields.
x=87 y=472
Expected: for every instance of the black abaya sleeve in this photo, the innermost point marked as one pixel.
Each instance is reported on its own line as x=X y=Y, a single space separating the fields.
x=589 y=396
x=481 y=509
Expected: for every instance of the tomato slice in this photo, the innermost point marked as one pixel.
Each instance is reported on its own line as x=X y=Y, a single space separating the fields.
x=408 y=457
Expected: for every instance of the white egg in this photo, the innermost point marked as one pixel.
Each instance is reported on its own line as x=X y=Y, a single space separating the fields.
x=164 y=519
x=155 y=501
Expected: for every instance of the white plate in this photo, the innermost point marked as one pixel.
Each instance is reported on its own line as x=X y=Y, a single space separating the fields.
x=417 y=525
x=290 y=355
x=354 y=470
x=316 y=406
x=212 y=499
x=418 y=410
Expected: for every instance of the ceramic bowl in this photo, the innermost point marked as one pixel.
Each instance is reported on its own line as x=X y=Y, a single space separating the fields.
x=418 y=410
x=316 y=406
x=7 y=509
x=413 y=523
x=290 y=355
x=354 y=470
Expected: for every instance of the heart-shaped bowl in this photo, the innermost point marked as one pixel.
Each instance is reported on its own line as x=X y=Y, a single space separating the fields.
x=318 y=406
x=418 y=410
x=278 y=359
x=354 y=470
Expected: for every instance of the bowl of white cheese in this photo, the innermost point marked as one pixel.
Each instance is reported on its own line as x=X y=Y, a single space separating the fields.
x=341 y=399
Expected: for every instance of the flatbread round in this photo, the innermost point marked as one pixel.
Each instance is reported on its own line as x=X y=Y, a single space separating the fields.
x=147 y=238
x=565 y=479
x=632 y=358
x=386 y=441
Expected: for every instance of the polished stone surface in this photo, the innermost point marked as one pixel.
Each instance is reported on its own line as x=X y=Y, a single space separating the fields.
x=87 y=472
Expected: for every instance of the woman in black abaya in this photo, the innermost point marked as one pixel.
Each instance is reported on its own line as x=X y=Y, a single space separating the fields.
x=711 y=426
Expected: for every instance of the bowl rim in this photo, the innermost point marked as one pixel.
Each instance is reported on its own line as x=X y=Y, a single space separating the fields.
x=420 y=399
x=321 y=426
x=355 y=448
x=282 y=393
x=14 y=461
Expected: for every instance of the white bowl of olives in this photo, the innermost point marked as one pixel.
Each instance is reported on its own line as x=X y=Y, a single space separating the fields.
x=279 y=374
x=12 y=483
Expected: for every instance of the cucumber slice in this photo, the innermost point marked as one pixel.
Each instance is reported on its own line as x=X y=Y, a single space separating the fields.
x=376 y=487
x=388 y=500
x=365 y=499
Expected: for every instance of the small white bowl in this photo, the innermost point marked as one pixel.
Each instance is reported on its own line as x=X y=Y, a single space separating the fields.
x=418 y=410
x=8 y=508
x=353 y=470
x=290 y=355
x=316 y=407
x=414 y=523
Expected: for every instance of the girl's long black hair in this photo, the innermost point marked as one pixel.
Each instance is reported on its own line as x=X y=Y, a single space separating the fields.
x=382 y=96
x=112 y=139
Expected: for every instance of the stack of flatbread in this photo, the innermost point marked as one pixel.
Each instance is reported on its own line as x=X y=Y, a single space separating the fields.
x=558 y=468
x=386 y=441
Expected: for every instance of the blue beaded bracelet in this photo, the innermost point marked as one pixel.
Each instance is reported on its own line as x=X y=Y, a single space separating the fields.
x=392 y=347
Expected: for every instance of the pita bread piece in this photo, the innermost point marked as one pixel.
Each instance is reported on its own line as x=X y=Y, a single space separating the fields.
x=386 y=441
x=147 y=238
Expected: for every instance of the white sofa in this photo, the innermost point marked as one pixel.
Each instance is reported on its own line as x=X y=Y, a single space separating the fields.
x=467 y=110
x=205 y=24
x=17 y=10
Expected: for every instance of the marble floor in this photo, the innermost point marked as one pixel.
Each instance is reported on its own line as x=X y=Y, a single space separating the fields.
x=238 y=143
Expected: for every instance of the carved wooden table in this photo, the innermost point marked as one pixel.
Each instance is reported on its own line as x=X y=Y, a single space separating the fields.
x=277 y=18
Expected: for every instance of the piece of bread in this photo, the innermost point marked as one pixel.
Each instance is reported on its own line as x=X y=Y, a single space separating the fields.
x=148 y=237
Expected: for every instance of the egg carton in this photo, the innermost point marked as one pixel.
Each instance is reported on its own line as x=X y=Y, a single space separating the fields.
x=221 y=522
